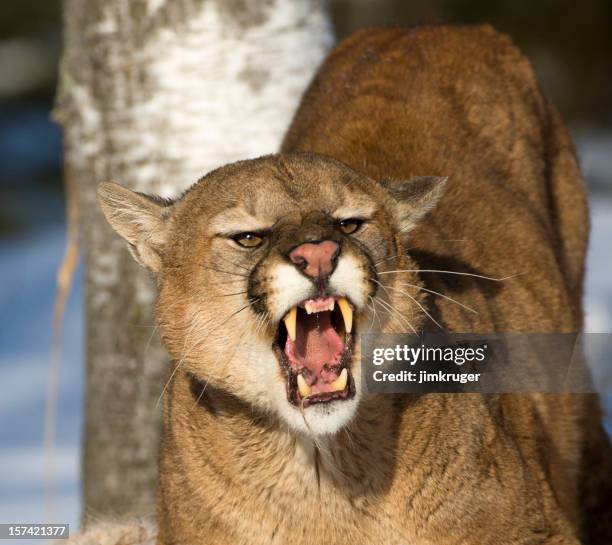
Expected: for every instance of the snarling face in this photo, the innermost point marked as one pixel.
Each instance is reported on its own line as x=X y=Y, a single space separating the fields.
x=270 y=269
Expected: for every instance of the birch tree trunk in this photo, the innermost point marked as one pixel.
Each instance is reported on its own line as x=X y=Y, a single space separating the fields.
x=153 y=94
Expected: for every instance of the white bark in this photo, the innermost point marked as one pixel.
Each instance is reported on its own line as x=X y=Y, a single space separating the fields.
x=155 y=93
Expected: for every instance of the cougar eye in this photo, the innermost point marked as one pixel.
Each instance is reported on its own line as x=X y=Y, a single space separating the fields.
x=248 y=240
x=350 y=226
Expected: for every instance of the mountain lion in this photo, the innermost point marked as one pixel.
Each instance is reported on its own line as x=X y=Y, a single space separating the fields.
x=419 y=162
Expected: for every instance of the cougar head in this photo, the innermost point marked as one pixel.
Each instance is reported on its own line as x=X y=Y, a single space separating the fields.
x=269 y=270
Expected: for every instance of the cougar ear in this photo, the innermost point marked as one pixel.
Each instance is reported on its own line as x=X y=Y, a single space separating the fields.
x=141 y=220
x=414 y=198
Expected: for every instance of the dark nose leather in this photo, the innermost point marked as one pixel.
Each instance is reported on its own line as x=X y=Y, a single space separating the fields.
x=316 y=259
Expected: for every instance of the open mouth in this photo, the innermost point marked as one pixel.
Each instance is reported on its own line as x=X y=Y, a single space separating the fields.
x=314 y=344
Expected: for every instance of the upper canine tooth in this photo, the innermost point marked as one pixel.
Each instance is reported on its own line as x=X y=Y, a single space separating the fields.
x=347 y=313
x=308 y=307
x=340 y=383
x=291 y=323
x=303 y=388
x=331 y=305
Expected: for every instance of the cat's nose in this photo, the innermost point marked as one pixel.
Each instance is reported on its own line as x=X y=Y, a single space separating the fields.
x=316 y=259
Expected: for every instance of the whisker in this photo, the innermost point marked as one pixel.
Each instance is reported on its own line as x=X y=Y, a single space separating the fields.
x=221 y=270
x=230 y=294
x=406 y=254
x=374 y=315
x=417 y=303
x=227 y=282
x=198 y=344
x=451 y=272
x=373 y=307
x=397 y=256
x=197 y=401
x=236 y=346
x=200 y=265
x=435 y=293
x=154 y=330
x=390 y=308
x=261 y=323
x=317 y=443
x=230 y=262
x=349 y=436
x=176 y=367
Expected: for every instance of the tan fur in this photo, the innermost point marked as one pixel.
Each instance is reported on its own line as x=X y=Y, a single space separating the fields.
x=236 y=467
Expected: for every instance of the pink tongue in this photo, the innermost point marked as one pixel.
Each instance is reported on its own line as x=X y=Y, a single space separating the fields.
x=317 y=343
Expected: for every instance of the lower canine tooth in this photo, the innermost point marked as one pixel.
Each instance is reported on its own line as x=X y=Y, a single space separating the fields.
x=303 y=388
x=291 y=323
x=347 y=314
x=340 y=383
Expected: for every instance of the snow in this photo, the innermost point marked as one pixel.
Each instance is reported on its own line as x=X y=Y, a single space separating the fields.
x=598 y=293
x=28 y=264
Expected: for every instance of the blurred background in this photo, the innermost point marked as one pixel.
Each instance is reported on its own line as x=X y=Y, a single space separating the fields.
x=570 y=47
